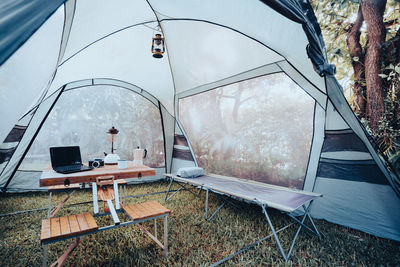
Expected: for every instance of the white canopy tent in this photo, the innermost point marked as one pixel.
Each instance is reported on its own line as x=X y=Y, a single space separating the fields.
x=90 y=61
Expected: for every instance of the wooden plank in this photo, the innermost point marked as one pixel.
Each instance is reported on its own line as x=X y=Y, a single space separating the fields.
x=65 y=229
x=158 y=207
x=73 y=223
x=132 y=212
x=122 y=182
x=101 y=194
x=67 y=226
x=105 y=193
x=149 y=206
x=135 y=213
x=110 y=193
x=83 y=225
x=63 y=187
x=91 y=221
x=161 y=207
x=145 y=213
x=50 y=177
x=55 y=227
x=46 y=231
x=155 y=209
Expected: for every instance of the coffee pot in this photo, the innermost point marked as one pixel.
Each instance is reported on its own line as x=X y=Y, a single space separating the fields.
x=138 y=156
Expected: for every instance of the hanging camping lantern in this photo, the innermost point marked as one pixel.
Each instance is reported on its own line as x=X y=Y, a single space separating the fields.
x=157 y=46
x=112 y=158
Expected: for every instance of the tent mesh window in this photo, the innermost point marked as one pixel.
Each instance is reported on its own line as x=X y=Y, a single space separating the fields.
x=82 y=117
x=259 y=129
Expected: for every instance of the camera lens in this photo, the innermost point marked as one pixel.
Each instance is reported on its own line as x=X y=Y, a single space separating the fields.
x=96 y=164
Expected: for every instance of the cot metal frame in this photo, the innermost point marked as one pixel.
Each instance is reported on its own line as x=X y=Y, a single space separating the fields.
x=300 y=222
x=182 y=187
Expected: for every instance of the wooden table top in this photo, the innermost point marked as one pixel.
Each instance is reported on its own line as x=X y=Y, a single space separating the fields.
x=49 y=177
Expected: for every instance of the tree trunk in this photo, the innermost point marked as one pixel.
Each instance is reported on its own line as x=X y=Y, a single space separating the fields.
x=355 y=49
x=397 y=77
x=372 y=11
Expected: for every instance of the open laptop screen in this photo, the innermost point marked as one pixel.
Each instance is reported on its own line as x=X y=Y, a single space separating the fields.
x=64 y=156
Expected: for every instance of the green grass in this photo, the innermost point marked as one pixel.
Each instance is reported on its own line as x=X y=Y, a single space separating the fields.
x=192 y=240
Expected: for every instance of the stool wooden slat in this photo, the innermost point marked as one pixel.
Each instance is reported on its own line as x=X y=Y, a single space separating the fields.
x=46 y=231
x=90 y=221
x=57 y=228
x=73 y=223
x=82 y=222
x=64 y=225
x=145 y=210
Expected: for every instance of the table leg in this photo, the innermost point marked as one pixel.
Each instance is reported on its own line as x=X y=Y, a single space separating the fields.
x=49 y=211
x=44 y=248
x=166 y=236
x=95 y=201
x=116 y=195
x=155 y=227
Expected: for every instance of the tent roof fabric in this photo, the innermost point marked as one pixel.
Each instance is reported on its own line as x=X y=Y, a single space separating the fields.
x=26 y=18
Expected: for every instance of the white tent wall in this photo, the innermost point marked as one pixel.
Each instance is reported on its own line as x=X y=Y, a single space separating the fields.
x=34 y=63
x=335 y=94
x=33 y=127
x=168 y=122
x=183 y=155
x=356 y=191
x=365 y=206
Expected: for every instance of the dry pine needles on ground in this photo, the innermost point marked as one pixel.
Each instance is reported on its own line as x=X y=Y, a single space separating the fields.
x=192 y=240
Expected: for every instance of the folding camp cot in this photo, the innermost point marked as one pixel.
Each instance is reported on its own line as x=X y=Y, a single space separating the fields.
x=286 y=200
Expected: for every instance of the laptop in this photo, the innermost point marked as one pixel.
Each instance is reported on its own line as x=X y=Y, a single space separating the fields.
x=67 y=159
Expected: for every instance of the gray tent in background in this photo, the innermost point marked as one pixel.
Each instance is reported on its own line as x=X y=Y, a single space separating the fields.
x=243 y=89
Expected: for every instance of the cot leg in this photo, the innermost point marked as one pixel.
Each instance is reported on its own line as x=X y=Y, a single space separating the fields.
x=274 y=233
x=216 y=211
x=306 y=210
x=169 y=188
x=166 y=236
x=44 y=249
x=296 y=235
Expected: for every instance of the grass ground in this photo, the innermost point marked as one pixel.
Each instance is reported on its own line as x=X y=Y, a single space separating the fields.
x=192 y=240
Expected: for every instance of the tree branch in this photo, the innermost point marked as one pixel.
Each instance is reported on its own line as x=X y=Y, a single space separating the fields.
x=244 y=100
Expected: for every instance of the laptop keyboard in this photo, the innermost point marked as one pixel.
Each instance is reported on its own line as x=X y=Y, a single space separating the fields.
x=69 y=168
x=72 y=168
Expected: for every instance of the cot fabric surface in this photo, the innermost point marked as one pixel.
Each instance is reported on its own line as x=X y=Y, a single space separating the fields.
x=277 y=197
